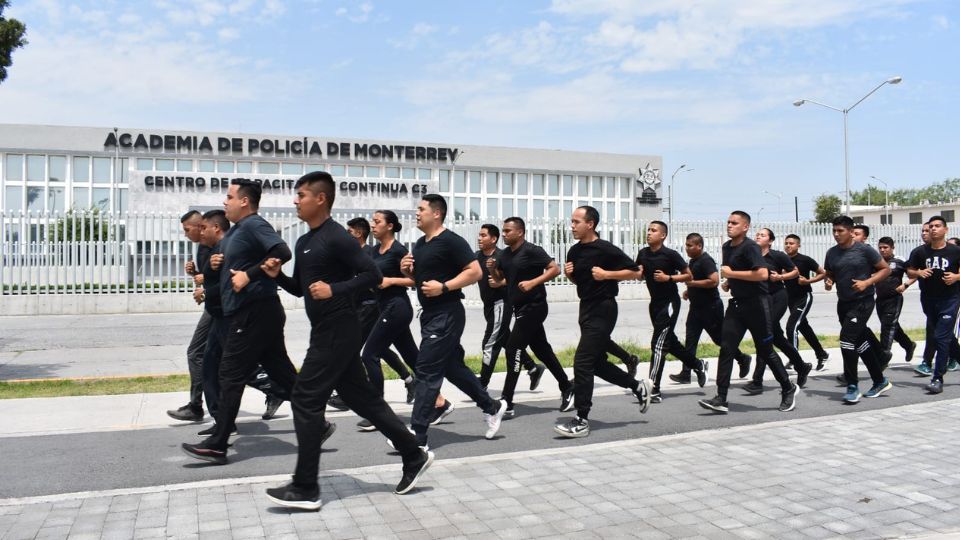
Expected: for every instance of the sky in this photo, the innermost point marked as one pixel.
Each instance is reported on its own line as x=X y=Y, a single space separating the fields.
x=709 y=84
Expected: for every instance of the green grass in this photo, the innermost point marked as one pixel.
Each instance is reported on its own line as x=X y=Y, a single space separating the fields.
x=177 y=383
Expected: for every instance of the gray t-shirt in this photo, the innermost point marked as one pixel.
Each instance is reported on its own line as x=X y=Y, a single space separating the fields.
x=845 y=265
x=244 y=247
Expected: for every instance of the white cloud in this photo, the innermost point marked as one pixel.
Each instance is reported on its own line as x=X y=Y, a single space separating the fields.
x=228 y=34
x=941 y=22
x=417 y=35
x=361 y=14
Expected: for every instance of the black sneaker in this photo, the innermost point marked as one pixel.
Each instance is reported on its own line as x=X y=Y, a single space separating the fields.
x=803 y=371
x=908 y=352
x=566 y=400
x=366 y=425
x=439 y=413
x=715 y=404
x=824 y=356
x=656 y=397
x=205 y=453
x=789 y=365
x=753 y=388
x=187 y=413
x=842 y=379
x=535 y=375
x=293 y=496
x=510 y=412
x=632 y=363
x=744 y=365
x=788 y=399
x=935 y=387
x=412 y=473
x=273 y=403
x=680 y=378
x=645 y=395
x=574 y=428
x=703 y=375
x=821 y=364
x=337 y=403
x=331 y=427
x=212 y=429
x=411 y=390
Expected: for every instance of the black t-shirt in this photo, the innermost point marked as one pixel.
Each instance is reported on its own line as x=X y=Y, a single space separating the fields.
x=440 y=259
x=744 y=257
x=489 y=294
x=211 y=283
x=702 y=268
x=667 y=261
x=887 y=288
x=597 y=253
x=367 y=295
x=244 y=247
x=329 y=254
x=525 y=263
x=389 y=264
x=807 y=267
x=945 y=259
x=921 y=283
x=203 y=258
x=779 y=262
x=854 y=263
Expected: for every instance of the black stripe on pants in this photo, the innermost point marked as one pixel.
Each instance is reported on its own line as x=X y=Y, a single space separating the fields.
x=745 y=314
x=333 y=362
x=392 y=327
x=704 y=318
x=495 y=337
x=664 y=314
x=528 y=331
x=778 y=307
x=855 y=340
x=797 y=324
x=597 y=320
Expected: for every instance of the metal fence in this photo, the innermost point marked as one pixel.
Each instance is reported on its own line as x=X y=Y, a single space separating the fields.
x=91 y=253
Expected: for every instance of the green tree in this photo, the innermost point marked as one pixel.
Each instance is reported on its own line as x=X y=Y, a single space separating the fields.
x=11 y=38
x=946 y=191
x=826 y=207
x=81 y=225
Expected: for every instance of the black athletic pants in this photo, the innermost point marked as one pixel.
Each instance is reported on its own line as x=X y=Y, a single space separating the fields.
x=664 y=313
x=391 y=327
x=745 y=314
x=778 y=307
x=797 y=324
x=441 y=356
x=195 y=353
x=369 y=314
x=254 y=336
x=709 y=318
x=495 y=337
x=855 y=342
x=597 y=320
x=333 y=362
x=528 y=331
x=888 y=311
x=941 y=321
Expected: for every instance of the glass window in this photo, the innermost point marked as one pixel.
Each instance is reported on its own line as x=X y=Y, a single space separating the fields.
x=474 y=181
x=947 y=216
x=144 y=164
x=522 y=209
x=567 y=209
x=56 y=199
x=13 y=200
x=459 y=182
x=393 y=172
x=522 y=184
x=538 y=185
x=567 y=185
x=338 y=170
x=459 y=208
x=506 y=183
x=101 y=170
x=611 y=212
x=491 y=182
x=507 y=208
x=355 y=171
x=916 y=218
x=611 y=187
x=101 y=198
x=583 y=186
x=625 y=211
x=81 y=198
x=268 y=167
x=492 y=208
x=425 y=174
x=553 y=181
x=58 y=169
x=244 y=167
x=35 y=168
x=444 y=181
x=124 y=170
x=206 y=165
x=120 y=195
x=295 y=169
x=81 y=169
x=538 y=208
x=409 y=173
x=226 y=166
x=311 y=167
x=185 y=165
x=597 y=188
x=474 y=208
x=164 y=165
x=554 y=208
x=373 y=172
x=35 y=199
x=13 y=169
x=624 y=187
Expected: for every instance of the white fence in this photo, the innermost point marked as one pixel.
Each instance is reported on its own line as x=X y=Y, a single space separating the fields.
x=89 y=253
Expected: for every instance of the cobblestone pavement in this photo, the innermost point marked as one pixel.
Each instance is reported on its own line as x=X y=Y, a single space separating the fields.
x=872 y=474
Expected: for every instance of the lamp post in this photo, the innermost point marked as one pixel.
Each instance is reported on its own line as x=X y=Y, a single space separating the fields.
x=846 y=155
x=886 y=199
x=779 y=197
x=681 y=168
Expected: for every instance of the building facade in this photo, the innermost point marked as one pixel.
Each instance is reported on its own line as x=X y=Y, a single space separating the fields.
x=904 y=215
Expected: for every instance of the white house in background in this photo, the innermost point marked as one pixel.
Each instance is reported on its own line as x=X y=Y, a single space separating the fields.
x=904 y=215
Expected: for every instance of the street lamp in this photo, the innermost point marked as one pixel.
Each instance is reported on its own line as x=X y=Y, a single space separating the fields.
x=682 y=168
x=779 y=197
x=846 y=156
x=886 y=199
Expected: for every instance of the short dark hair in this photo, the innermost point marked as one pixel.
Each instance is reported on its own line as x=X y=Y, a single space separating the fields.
x=319 y=182
x=843 y=221
x=492 y=230
x=189 y=215
x=742 y=214
x=591 y=214
x=937 y=218
x=361 y=224
x=886 y=240
x=518 y=221
x=695 y=238
x=769 y=234
x=218 y=218
x=793 y=236
x=391 y=217
x=661 y=224
x=249 y=189
x=954 y=239
x=437 y=204
x=864 y=228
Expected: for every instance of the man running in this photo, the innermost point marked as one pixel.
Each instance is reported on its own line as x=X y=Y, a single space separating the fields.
x=800 y=298
x=890 y=301
x=662 y=268
x=595 y=266
x=855 y=268
x=748 y=309
x=861 y=233
x=525 y=267
x=442 y=264
x=496 y=311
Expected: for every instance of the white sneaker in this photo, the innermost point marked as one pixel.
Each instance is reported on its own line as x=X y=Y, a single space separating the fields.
x=493 y=420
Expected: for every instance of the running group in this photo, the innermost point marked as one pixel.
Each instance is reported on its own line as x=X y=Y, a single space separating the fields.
x=355 y=297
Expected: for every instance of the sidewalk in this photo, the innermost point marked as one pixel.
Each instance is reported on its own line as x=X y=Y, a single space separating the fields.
x=874 y=474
